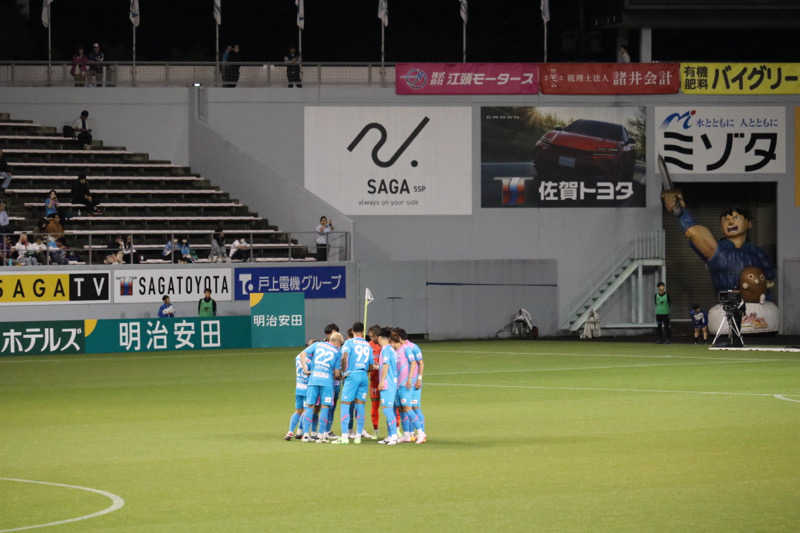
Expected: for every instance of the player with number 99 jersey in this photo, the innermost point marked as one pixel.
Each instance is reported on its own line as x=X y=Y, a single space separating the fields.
x=358 y=355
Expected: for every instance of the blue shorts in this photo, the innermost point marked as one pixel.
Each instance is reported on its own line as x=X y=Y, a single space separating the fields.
x=322 y=392
x=355 y=387
x=388 y=397
x=299 y=401
x=416 y=397
x=404 y=396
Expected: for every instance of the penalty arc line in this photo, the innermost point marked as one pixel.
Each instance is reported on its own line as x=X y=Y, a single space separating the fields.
x=784 y=398
x=116 y=503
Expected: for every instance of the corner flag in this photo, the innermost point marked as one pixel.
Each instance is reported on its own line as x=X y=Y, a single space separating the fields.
x=368 y=299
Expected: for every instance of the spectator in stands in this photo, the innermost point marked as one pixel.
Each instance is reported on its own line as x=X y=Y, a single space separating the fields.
x=69 y=254
x=81 y=195
x=323 y=230
x=207 y=306
x=292 y=61
x=623 y=56
x=96 y=58
x=40 y=249
x=54 y=227
x=240 y=250
x=5 y=173
x=224 y=61
x=26 y=254
x=218 y=254
x=82 y=128
x=51 y=204
x=5 y=250
x=171 y=251
x=5 y=222
x=231 y=71
x=166 y=309
x=55 y=253
x=187 y=255
x=80 y=65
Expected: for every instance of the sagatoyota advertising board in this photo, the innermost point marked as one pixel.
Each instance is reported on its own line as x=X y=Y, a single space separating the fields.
x=27 y=287
x=563 y=156
x=149 y=286
x=390 y=160
x=722 y=140
x=467 y=78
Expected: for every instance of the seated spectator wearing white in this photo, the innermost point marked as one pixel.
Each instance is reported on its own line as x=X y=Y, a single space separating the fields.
x=218 y=254
x=5 y=173
x=166 y=309
x=82 y=128
x=80 y=194
x=40 y=248
x=26 y=252
x=5 y=222
x=80 y=66
x=51 y=204
x=240 y=249
x=323 y=230
x=96 y=59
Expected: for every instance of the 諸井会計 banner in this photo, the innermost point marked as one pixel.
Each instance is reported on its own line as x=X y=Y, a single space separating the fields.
x=722 y=140
x=467 y=78
x=740 y=78
x=609 y=78
x=390 y=160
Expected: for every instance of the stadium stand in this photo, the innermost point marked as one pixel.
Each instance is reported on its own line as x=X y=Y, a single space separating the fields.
x=152 y=201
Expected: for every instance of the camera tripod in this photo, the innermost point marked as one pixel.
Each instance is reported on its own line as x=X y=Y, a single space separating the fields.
x=734 y=333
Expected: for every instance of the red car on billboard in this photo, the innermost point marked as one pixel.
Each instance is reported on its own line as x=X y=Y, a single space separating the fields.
x=586 y=148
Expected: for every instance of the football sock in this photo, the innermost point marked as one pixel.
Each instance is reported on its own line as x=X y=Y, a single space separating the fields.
x=388 y=412
x=346 y=420
x=315 y=423
x=352 y=416
x=308 y=415
x=421 y=418
x=359 y=418
x=406 y=422
x=413 y=420
x=323 y=417
x=293 y=421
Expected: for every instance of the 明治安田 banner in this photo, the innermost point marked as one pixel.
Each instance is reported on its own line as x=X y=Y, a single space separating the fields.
x=563 y=157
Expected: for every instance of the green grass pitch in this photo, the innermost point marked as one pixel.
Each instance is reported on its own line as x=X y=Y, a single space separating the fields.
x=524 y=436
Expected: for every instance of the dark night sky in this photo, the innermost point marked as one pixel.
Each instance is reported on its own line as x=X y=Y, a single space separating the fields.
x=348 y=30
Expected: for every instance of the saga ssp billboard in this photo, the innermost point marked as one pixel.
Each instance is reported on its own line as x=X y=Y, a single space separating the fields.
x=187 y=285
x=563 y=156
x=390 y=160
x=27 y=287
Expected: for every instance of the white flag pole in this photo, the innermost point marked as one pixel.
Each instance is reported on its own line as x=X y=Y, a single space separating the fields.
x=545 y=8
x=216 y=55
x=49 y=41
x=217 y=22
x=464 y=12
x=464 y=42
x=134 y=54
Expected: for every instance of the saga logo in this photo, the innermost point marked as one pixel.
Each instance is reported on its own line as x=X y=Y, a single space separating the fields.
x=382 y=130
x=388 y=186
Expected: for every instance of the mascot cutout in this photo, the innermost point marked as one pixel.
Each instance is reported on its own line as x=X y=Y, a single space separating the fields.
x=733 y=262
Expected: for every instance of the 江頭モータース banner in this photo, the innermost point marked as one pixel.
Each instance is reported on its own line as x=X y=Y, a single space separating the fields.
x=141 y=286
x=390 y=160
x=563 y=156
x=314 y=282
x=722 y=140
x=467 y=78
x=53 y=287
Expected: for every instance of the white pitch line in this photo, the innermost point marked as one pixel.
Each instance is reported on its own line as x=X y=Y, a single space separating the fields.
x=116 y=504
x=784 y=398
x=604 y=389
x=568 y=369
x=629 y=356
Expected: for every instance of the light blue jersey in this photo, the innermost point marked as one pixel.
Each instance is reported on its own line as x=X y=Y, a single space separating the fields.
x=301 y=380
x=325 y=358
x=358 y=353
x=389 y=359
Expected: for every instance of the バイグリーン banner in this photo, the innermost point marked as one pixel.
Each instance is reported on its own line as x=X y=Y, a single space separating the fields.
x=740 y=78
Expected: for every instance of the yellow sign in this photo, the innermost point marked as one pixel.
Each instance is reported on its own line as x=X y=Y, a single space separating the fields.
x=797 y=156
x=740 y=78
x=15 y=288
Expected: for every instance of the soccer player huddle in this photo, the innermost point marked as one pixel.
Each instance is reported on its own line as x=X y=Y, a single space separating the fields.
x=386 y=364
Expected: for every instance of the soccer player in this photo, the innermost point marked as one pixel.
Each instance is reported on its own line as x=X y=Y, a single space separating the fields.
x=356 y=356
x=374 y=376
x=321 y=361
x=416 y=380
x=300 y=388
x=406 y=366
x=337 y=382
x=388 y=383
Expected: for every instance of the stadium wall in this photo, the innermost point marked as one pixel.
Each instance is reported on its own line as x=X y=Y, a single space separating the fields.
x=265 y=129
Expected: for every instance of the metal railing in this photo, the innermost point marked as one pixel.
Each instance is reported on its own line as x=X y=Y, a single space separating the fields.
x=186 y=74
x=46 y=250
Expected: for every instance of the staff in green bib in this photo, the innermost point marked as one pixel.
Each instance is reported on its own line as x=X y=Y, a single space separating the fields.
x=207 y=306
x=662 y=314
